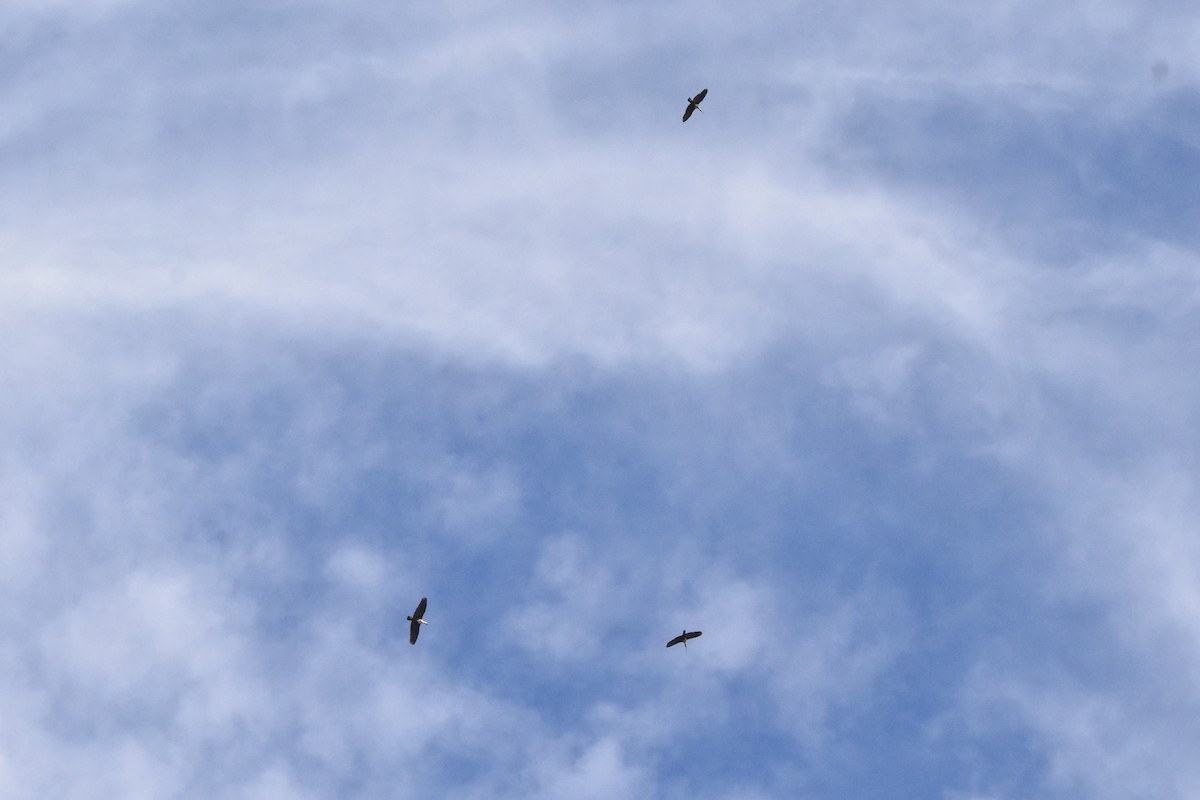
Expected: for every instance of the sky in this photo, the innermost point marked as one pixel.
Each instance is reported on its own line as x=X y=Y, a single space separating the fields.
x=881 y=372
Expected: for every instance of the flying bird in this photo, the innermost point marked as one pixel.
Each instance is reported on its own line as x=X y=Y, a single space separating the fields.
x=694 y=104
x=415 y=621
x=683 y=637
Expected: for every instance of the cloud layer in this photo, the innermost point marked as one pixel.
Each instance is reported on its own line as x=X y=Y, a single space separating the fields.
x=878 y=372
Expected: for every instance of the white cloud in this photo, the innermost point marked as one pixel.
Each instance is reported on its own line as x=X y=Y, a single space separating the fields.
x=1094 y=742
x=208 y=514
x=573 y=602
x=600 y=771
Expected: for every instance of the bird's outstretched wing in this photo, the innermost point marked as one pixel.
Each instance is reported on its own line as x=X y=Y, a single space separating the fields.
x=700 y=96
x=676 y=640
x=420 y=612
x=693 y=634
x=691 y=107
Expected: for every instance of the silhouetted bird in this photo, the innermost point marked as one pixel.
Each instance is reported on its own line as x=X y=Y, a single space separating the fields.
x=694 y=104
x=683 y=637
x=415 y=622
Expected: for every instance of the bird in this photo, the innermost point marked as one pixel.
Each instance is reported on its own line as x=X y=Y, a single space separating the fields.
x=683 y=637
x=416 y=621
x=694 y=104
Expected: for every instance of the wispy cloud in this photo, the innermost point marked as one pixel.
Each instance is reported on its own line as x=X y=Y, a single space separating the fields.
x=877 y=373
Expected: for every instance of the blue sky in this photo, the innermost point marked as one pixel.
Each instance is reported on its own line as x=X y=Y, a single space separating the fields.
x=881 y=372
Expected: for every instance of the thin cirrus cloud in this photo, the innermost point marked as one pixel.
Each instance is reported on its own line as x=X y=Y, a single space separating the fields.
x=875 y=372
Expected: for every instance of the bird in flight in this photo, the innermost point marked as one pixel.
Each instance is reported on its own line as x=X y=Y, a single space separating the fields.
x=694 y=104
x=683 y=637
x=415 y=621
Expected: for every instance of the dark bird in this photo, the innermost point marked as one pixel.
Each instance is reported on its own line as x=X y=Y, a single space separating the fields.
x=694 y=104
x=683 y=637
x=415 y=622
